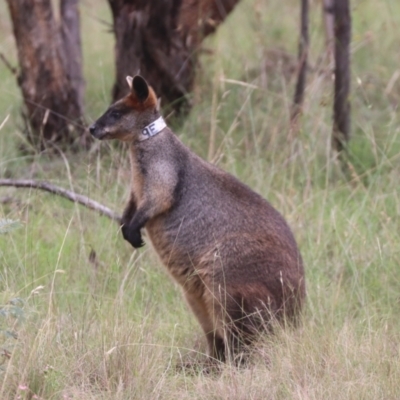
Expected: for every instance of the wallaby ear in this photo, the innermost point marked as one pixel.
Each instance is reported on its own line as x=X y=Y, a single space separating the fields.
x=140 y=88
x=129 y=79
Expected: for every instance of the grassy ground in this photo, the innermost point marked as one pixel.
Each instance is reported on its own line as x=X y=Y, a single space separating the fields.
x=84 y=317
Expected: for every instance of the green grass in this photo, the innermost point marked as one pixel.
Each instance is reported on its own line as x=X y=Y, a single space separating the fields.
x=98 y=321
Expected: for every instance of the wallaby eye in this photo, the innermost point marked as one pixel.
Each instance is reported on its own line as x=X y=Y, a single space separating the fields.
x=115 y=114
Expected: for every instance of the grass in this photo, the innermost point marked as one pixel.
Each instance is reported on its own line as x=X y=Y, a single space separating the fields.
x=84 y=317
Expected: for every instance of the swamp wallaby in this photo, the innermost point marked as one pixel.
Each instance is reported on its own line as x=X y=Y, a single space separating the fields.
x=230 y=250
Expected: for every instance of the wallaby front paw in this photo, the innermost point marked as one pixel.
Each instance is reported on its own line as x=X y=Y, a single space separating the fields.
x=133 y=236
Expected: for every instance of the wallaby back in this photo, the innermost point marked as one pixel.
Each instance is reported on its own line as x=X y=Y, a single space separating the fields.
x=231 y=251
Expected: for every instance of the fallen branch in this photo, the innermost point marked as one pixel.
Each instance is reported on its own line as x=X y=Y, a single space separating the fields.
x=68 y=194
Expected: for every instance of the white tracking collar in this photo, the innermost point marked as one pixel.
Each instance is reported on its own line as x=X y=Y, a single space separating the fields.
x=152 y=129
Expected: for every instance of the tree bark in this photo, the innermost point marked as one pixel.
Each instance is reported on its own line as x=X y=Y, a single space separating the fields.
x=161 y=40
x=329 y=24
x=302 y=66
x=199 y=18
x=341 y=113
x=48 y=63
x=71 y=38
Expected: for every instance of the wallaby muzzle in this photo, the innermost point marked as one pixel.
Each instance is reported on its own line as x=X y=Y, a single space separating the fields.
x=97 y=132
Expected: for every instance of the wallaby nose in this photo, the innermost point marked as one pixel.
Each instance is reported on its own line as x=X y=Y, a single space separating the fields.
x=92 y=129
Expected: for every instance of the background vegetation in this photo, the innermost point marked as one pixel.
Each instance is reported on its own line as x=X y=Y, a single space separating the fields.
x=82 y=316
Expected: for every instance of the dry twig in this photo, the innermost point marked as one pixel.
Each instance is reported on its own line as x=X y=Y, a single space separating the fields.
x=13 y=70
x=68 y=194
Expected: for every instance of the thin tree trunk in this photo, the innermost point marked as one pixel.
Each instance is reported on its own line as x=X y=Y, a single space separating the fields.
x=53 y=105
x=70 y=34
x=329 y=24
x=161 y=40
x=302 y=67
x=341 y=117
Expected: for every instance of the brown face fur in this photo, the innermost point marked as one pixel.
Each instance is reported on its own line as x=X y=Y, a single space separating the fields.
x=125 y=119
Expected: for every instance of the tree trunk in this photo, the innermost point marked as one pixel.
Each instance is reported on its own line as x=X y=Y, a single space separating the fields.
x=199 y=18
x=161 y=40
x=302 y=66
x=49 y=76
x=70 y=34
x=341 y=115
x=329 y=23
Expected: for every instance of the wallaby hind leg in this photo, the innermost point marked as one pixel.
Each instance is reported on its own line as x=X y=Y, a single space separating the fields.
x=246 y=317
x=215 y=341
x=238 y=336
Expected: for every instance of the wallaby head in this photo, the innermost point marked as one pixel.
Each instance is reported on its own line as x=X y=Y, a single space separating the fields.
x=128 y=118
